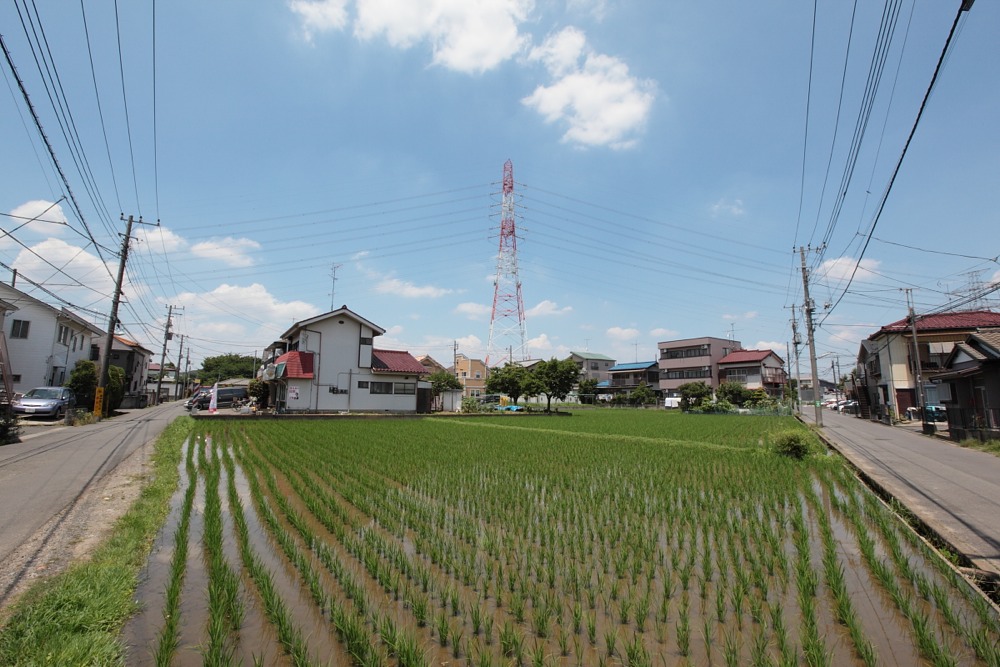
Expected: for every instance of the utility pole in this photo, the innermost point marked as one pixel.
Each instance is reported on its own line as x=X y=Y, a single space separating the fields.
x=177 y=372
x=917 y=376
x=808 y=307
x=163 y=356
x=102 y=376
x=796 y=344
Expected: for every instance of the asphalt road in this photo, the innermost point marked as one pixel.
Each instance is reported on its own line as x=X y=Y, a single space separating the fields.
x=955 y=491
x=49 y=473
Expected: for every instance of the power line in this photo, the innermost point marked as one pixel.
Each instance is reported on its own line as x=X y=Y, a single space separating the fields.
x=966 y=5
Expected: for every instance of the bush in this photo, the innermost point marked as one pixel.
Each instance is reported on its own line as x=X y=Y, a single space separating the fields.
x=471 y=404
x=10 y=429
x=791 y=443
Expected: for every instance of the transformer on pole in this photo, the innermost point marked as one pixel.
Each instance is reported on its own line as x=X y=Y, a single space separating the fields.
x=508 y=340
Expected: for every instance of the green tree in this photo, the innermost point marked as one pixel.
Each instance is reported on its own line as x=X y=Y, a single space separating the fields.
x=556 y=379
x=510 y=380
x=259 y=392
x=693 y=394
x=83 y=382
x=226 y=366
x=734 y=392
x=442 y=381
x=114 y=391
x=642 y=395
x=587 y=391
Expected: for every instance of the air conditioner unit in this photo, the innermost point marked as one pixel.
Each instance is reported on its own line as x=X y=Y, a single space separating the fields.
x=704 y=347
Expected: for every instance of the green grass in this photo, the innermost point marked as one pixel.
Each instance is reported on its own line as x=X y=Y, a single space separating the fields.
x=75 y=618
x=990 y=446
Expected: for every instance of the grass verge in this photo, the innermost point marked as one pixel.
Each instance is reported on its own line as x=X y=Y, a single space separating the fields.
x=75 y=618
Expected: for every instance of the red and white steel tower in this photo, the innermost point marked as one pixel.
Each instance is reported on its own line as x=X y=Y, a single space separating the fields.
x=508 y=341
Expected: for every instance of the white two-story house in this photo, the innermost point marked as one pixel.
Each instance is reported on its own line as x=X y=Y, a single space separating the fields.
x=329 y=363
x=43 y=342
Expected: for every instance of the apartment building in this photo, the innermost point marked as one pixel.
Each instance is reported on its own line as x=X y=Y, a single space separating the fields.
x=692 y=360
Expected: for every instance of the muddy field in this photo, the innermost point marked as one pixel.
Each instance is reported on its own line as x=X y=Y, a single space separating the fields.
x=583 y=542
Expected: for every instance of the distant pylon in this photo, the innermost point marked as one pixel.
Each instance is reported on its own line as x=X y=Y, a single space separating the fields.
x=508 y=340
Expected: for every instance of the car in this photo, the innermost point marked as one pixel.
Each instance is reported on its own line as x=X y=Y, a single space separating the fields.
x=225 y=398
x=45 y=402
x=936 y=413
x=204 y=391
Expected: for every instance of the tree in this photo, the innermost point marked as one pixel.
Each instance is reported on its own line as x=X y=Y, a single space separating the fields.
x=115 y=389
x=587 y=391
x=83 y=382
x=227 y=366
x=734 y=392
x=556 y=379
x=693 y=394
x=259 y=392
x=442 y=381
x=510 y=380
x=642 y=395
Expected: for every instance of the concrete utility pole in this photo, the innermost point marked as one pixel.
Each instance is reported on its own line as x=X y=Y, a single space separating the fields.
x=808 y=307
x=102 y=375
x=163 y=356
x=917 y=375
x=796 y=344
x=180 y=357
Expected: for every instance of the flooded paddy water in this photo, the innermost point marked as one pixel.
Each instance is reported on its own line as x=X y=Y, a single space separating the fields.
x=431 y=543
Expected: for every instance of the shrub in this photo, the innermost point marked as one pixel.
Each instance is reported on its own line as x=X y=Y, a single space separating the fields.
x=791 y=443
x=10 y=429
x=471 y=404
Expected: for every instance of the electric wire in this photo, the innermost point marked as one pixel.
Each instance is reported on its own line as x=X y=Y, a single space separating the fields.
x=128 y=124
x=902 y=155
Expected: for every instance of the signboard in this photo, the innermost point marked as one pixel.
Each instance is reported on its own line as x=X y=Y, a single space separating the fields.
x=99 y=401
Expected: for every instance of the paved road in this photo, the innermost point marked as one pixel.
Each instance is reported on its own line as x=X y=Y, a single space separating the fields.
x=49 y=473
x=955 y=491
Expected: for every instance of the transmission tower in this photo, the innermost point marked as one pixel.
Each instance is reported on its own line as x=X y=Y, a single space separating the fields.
x=507 y=333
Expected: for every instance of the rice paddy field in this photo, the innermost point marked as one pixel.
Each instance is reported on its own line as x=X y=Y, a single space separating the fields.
x=606 y=538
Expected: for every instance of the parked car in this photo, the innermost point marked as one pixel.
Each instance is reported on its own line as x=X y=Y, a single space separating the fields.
x=226 y=397
x=936 y=413
x=204 y=391
x=45 y=402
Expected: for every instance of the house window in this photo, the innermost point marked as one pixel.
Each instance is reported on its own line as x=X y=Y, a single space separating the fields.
x=479 y=375
x=366 y=340
x=404 y=388
x=63 y=335
x=95 y=353
x=16 y=377
x=74 y=343
x=380 y=387
x=362 y=384
x=593 y=366
x=20 y=329
x=737 y=375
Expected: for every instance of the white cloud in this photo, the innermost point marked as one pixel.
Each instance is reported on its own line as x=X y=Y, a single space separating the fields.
x=49 y=220
x=777 y=346
x=842 y=268
x=160 y=239
x=408 y=290
x=600 y=101
x=621 y=334
x=749 y=315
x=728 y=207
x=547 y=307
x=474 y=311
x=77 y=265
x=464 y=35
x=598 y=9
x=540 y=343
x=319 y=15
x=663 y=333
x=229 y=251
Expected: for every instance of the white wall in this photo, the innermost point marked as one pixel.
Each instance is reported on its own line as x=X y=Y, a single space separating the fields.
x=341 y=362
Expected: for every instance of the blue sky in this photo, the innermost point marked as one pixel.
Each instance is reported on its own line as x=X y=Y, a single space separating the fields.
x=668 y=157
